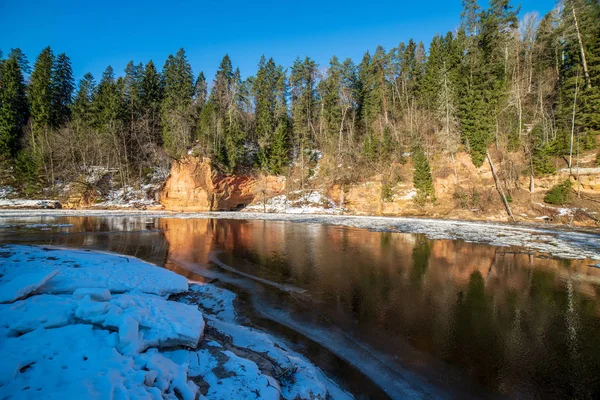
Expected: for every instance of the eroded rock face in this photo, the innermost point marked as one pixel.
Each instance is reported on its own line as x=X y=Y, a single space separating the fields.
x=194 y=185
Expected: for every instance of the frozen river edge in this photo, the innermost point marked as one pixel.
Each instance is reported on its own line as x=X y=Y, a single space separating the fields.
x=87 y=324
x=559 y=243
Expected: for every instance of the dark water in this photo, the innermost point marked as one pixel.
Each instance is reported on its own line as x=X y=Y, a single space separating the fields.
x=386 y=314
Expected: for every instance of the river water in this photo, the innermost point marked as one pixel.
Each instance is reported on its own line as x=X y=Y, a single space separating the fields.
x=387 y=315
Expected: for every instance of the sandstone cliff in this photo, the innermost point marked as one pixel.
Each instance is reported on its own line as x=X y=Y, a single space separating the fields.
x=194 y=185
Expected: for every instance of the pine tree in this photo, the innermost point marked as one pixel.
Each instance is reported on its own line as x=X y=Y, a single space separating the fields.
x=13 y=106
x=151 y=99
x=434 y=68
x=132 y=91
x=330 y=93
x=235 y=136
x=176 y=111
x=422 y=176
x=280 y=143
x=200 y=92
x=264 y=90
x=40 y=96
x=63 y=85
x=108 y=106
x=21 y=59
x=82 y=104
x=303 y=82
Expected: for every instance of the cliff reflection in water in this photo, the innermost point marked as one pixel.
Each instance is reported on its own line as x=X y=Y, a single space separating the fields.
x=516 y=323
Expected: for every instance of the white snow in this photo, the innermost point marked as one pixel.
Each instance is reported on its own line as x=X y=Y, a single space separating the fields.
x=26 y=203
x=64 y=346
x=309 y=203
x=302 y=379
x=90 y=343
x=308 y=381
x=131 y=197
x=42 y=311
x=22 y=285
x=144 y=321
x=85 y=269
x=6 y=191
x=81 y=362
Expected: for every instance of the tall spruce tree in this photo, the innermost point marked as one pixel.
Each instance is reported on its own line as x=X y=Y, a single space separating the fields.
x=280 y=143
x=13 y=106
x=63 y=85
x=82 y=104
x=264 y=90
x=422 y=176
x=177 y=121
x=41 y=93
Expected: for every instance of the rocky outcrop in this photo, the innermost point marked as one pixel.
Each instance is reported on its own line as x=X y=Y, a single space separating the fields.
x=194 y=185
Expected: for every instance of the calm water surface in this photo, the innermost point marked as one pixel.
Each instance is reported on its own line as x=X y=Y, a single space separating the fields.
x=385 y=314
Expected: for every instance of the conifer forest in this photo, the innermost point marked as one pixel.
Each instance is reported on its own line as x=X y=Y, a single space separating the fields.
x=528 y=85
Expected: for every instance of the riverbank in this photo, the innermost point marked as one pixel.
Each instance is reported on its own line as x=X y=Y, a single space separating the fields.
x=83 y=324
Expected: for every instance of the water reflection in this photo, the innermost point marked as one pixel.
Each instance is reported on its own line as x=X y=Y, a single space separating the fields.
x=460 y=314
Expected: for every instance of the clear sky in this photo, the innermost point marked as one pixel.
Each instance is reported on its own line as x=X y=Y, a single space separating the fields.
x=112 y=32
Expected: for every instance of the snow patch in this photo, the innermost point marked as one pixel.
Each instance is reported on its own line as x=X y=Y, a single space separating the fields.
x=26 y=203
x=85 y=269
x=309 y=203
x=22 y=285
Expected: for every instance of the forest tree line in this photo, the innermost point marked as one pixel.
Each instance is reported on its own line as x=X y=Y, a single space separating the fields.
x=529 y=85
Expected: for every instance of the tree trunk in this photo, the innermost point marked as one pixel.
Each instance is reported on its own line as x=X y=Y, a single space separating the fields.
x=585 y=67
x=573 y=123
x=499 y=188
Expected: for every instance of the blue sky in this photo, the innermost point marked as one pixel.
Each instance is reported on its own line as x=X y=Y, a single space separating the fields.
x=112 y=32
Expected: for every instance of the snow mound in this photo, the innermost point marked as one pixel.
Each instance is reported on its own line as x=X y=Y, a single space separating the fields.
x=85 y=269
x=80 y=362
x=145 y=321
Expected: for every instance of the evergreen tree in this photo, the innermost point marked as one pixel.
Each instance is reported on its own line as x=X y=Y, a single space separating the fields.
x=422 y=176
x=13 y=106
x=151 y=93
x=63 y=85
x=264 y=90
x=303 y=82
x=108 y=106
x=330 y=93
x=41 y=99
x=21 y=59
x=200 y=91
x=82 y=104
x=132 y=91
x=280 y=143
x=434 y=68
x=177 y=119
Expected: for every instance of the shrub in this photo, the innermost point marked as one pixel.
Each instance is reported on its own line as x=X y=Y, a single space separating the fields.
x=386 y=191
x=559 y=194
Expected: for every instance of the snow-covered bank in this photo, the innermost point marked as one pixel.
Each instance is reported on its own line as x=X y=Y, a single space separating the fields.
x=309 y=203
x=26 y=203
x=558 y=243
x=81 y=324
